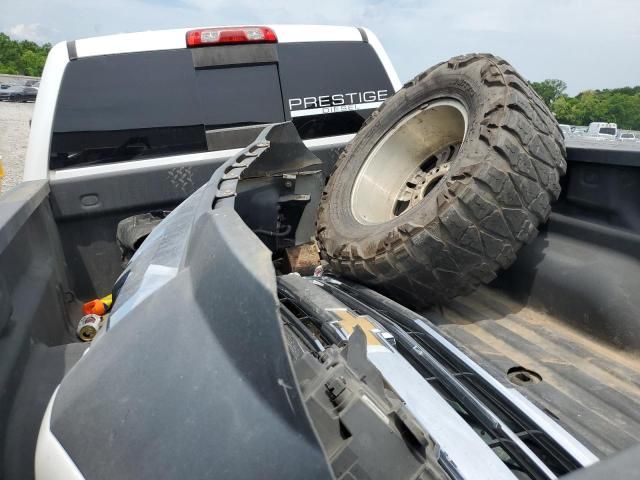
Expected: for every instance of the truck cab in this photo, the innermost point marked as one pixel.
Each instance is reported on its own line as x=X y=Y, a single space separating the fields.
x=603 y=130
x=136 y=122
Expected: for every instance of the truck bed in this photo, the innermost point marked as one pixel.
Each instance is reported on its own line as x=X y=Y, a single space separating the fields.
x=591 y=388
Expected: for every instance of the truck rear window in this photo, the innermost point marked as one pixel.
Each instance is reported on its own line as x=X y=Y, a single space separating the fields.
x=122 y=107
x=330 y=88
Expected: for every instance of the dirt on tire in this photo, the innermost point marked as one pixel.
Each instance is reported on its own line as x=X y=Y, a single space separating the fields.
x=495 y=194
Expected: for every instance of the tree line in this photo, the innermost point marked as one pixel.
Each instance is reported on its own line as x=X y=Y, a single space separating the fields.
x=619 y=105
x=22 y=57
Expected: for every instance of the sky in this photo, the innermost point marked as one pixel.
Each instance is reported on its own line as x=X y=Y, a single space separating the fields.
x=590 y=44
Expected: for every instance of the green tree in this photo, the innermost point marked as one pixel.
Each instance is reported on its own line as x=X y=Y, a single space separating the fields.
x=22 y=57
x=563 y=108
x=550 y=90
x=619 y=105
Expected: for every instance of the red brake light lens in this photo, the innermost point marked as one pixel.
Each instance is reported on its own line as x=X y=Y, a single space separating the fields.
x=226 y=36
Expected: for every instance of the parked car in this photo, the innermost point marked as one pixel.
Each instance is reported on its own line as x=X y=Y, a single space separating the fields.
x=627 y=137
x=18 y=93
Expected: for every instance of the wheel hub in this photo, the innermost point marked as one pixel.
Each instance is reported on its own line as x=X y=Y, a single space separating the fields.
x=425 y=179
x=409 y=162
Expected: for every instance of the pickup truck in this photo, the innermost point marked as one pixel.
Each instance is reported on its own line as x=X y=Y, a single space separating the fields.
x=218 y=359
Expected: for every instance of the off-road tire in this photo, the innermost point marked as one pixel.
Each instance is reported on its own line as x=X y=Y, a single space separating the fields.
x=496 y=193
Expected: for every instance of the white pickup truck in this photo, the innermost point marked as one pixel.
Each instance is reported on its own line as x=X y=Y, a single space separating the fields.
x=218 y=359
x=603 y=130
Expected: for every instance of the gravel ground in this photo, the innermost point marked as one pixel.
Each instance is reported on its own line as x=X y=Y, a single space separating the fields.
x=14 y=135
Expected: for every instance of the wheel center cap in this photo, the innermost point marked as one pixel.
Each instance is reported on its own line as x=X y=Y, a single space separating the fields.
x=424 y=179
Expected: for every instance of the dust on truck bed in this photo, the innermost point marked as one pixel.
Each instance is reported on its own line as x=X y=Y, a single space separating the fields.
x=589 y=387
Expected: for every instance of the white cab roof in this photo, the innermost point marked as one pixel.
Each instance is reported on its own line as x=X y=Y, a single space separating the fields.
x=176 y=38
x=37 y=160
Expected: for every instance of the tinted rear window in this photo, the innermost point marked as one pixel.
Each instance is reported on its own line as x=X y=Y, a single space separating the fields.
x=124 y=107
x=330 y=88
x=130 y=106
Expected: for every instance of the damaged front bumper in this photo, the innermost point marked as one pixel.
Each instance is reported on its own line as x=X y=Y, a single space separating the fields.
x=194 y=375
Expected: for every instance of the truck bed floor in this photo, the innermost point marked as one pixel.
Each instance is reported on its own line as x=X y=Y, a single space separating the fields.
x=590 y=388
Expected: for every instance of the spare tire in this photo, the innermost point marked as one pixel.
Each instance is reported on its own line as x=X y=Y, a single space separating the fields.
x=444 y=183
